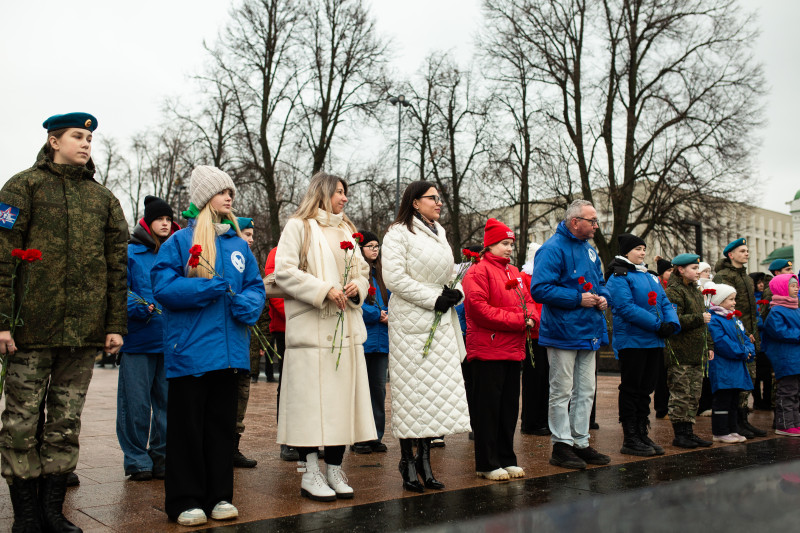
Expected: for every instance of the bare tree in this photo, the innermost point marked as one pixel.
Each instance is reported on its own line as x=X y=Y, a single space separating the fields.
x=109 y=162
x=658 y=100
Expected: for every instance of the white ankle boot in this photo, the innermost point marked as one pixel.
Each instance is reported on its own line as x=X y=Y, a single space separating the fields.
x=338 y=482
x=313 y=485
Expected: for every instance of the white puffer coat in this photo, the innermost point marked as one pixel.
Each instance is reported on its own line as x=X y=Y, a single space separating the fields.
x=428 y=397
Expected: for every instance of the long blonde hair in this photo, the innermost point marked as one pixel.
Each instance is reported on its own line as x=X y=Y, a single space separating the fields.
x=206 y=236
x=318 y=196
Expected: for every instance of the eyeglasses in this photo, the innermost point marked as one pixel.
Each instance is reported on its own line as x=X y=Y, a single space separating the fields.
x=373 y=246
x=435 y=197
x=592 y=221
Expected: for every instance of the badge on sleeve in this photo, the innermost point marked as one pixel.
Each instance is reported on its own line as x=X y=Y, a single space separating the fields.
x=8 y=215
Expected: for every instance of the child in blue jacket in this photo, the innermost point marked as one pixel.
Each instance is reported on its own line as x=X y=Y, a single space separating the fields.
x=782 y=345
x=727 y=370
x=142 y=388
x=209 y=302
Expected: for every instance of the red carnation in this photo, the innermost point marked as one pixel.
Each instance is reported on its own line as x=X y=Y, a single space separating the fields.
x=737 y=313
x=32 y=254
x=762 y=302
x=709 y=291
x=358 y=237
x=652 y=295
x=346 y=245
x=511 y=284
x=582 y=280
x=371 y=291
x=466 y=253
x=196 y=250
x=587 y=286
x=194 y=261
x=18 y=253
x=729 y=316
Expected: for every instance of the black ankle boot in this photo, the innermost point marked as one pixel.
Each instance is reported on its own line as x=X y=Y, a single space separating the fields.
x=408 y=466
x=644 y=429
x=746 y=429
x=52 y=490
x=682 y=439
x=700 y=441
x=27 y=517
x=632 y=443
x=424 y=465
x=239 y=460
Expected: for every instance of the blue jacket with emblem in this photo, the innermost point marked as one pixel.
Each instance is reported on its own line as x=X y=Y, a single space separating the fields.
x=558 y=264
x=635 y=320
x=782 y=340
x=205 y=326
x=145 y=329
x=732 y=350
x=377 y=333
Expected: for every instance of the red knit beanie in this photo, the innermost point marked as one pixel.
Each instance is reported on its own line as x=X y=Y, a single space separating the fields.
x=495 y=232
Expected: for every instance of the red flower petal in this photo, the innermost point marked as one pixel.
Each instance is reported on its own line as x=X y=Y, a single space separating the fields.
x=194 y=261
x=581 y=280
x=371 y=291
x=511 y=284
x=195 y=250
x=652 y=294
x=737 y=313
x=18 y=253
x=587 y=286
x=32 y=254
x=358 y=237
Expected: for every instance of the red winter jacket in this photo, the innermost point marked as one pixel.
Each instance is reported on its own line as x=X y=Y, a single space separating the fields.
x=526 y=280
x=495 y=320
x=277 y=316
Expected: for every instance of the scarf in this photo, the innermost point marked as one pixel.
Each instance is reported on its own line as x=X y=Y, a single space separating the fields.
x=640 y=267
x=721 y=311
x=429 y=224
x=323 y=258
x=221 y=228
x=783 y=301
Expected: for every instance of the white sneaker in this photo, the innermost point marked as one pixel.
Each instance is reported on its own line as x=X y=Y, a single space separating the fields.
x=499 y=474
x=224 y=511
x=740 y=437
x=707 y=412
x=514 y=471
x=192 y=517
x=313 y=486
x=338 y=482
x=728 y=439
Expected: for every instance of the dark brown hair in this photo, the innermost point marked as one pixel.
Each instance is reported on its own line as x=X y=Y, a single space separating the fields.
x=48 y=149
x=414 y=191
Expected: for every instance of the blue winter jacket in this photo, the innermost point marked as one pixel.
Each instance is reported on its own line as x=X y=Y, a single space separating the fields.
x=377 y=333
x=732 y=350
x=635 y=320
x=558 y=264
x=205 y=326
x=782 y=340
x=145 y=329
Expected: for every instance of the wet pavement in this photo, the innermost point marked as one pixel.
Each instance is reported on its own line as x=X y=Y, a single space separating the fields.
x=268 y=496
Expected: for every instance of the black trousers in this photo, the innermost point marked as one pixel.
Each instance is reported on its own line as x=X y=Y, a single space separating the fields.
x=661 y=397
x=280 y=347
x=333 y=454
x=724 y=412
x=535 y=389
x=638 y=368
x=201 y=424
x=495 y=396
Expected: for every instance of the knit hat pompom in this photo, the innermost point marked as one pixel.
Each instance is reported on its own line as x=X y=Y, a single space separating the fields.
x=206 y=183
x=155 y=207
x=723 y=291
x=495 y=232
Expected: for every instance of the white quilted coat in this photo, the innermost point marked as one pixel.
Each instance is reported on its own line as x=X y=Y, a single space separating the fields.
x=428 y=397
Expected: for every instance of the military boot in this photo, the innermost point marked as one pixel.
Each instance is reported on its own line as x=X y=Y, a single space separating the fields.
x=239 y=460
x=632 y=443
x=699 y=440
x=27 y=518
x=746 y=429
x=52 y=490
x=644 y=427
x=682 y=439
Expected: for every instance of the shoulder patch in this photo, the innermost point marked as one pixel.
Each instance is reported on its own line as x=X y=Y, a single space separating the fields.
x=8 y=215
x=237 y=258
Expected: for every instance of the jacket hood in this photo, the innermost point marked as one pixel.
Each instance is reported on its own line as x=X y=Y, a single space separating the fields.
x=141 y=234
x=618 y=266
x=562 y=228
x=70 y=171
x=724 y=263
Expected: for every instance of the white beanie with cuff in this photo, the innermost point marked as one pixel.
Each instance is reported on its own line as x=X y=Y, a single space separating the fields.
x=723 y=291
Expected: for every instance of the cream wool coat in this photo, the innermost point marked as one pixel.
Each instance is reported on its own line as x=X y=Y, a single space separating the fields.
x=320 y=405
x=428 y=397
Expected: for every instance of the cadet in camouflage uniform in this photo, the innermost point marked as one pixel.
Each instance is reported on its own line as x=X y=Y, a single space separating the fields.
x=686 y=351
x=76 y=306
x=731 y=270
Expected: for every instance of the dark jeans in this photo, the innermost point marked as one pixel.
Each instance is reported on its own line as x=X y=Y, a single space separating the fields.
x=661 y=397
x=638 y=369
x=377 y=365
x=495 y=389
x=535 y=389
x=333 y=454
x=201 y=421
x=280 y=347
x=704 y=403
x=724 y=412
x=787 y=402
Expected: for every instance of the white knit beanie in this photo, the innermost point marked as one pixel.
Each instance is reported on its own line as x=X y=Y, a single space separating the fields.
x=206 y=183
x=723 y=291
x=704 y=266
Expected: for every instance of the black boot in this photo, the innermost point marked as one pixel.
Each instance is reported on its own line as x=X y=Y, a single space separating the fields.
x=682 y=439
x=644 y=427
x=408 y=466
x=424 y=465
x=52 y=490
x=746 y=429
x=700 y=441
x=239 y=460
x=27 y=518
x=632 y=443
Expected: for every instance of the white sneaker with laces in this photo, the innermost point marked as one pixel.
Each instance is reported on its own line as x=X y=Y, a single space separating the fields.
x=740 y=437
x=338 y=482
x=224 y=511
x=192 y=517
x=313 y=485
x=499 y=474
x=514 y=471
x=728 y=439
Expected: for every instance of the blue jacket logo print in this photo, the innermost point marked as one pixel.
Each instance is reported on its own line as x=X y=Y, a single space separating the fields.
x=238 y=260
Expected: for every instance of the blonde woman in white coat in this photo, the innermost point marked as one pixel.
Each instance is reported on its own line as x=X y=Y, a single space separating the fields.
x=428 y=397
x=322 y=405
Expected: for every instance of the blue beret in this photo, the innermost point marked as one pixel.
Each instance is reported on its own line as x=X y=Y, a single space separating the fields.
x=70 y=120
x=245 y=223
x=779 y=264
x=734 y=245
x=686 y=259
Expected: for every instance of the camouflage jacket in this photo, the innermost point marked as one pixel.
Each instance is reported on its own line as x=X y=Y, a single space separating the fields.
x=745 y=294
x=691 y=343
x=77 y=293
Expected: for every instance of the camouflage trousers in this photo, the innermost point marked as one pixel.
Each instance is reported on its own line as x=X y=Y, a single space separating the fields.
x=685 y=383
x=744 y=396
x=68 y=372
x=243 y=395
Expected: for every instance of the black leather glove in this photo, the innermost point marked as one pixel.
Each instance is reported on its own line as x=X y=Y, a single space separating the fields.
x=442 y=304
x=454 y=295
x=665 y=330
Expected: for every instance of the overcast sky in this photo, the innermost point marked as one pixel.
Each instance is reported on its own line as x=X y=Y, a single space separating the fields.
x=120 y=60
